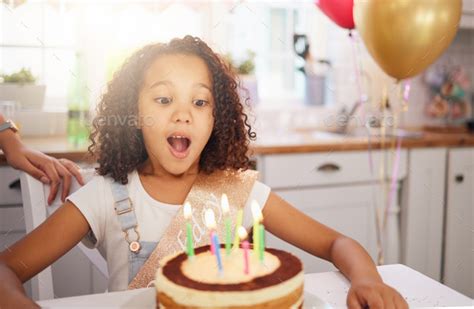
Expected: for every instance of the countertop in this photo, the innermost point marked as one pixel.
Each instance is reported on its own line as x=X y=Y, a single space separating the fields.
x=284 y=142
x=320 y=141
x=322 y=290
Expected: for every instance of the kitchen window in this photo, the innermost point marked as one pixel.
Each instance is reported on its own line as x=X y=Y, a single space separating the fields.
x=46 y=36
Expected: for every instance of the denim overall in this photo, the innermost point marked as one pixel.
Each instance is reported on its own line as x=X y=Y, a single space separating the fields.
x=139 y=251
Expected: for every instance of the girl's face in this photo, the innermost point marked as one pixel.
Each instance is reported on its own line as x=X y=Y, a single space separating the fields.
x=176 y=111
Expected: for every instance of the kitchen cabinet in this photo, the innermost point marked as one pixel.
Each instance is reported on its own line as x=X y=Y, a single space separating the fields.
x=467 y=17
x=331 y=206
x=459 y=240
x=338 y=189
x=422 y=210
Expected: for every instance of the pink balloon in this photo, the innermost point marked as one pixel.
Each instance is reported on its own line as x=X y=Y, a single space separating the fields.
x=340 y=11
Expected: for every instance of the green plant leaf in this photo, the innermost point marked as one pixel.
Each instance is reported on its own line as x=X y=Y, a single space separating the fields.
x=24 y=76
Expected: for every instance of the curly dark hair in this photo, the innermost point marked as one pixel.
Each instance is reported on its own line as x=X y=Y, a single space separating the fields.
x=119 y=147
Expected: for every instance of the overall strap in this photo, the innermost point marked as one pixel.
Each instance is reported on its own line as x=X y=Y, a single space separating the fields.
x=126 y=214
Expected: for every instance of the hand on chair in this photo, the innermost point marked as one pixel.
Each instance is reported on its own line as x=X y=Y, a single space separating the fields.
x=47 y=169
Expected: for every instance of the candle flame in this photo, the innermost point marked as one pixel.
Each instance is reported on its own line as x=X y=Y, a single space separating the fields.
x=256 y=212
x=210 y=219
x=242 y=233
x=225 y=204
x=187 y=210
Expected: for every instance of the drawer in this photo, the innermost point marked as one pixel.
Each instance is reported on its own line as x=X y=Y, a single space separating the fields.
x=332 y=168
x=12 y=219
x=9 y=196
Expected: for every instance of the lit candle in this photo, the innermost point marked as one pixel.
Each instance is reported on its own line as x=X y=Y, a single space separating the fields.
x=245 y=246
x=225 y=211
x=257 y=217
x=217 y=248
x=189 y=236
x=240 y=215
x=211 y=226
x=261 y=246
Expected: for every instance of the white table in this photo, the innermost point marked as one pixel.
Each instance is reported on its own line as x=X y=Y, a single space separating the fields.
x=330 y=287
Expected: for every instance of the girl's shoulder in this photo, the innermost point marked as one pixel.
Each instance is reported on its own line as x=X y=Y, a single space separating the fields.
x=96 y=184
x=92 y=177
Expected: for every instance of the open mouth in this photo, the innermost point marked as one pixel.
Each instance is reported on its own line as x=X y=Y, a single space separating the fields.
x=179 y=145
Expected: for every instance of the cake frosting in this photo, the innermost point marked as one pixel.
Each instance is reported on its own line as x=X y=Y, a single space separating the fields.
x=196 y=282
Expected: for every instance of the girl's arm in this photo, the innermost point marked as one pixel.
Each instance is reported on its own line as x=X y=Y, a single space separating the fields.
x=39 y=249
x=367 y=287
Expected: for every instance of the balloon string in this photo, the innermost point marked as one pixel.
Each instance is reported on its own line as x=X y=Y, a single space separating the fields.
x=358 y=70
x=358 y=73
x=393 y=185
x=357 y=67
x=403 y=95
x=406 y=90
x=406 y=95
x=393 y=142
x=382 y=167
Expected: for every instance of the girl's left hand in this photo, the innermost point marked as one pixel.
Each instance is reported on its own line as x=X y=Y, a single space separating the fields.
x=375 y=295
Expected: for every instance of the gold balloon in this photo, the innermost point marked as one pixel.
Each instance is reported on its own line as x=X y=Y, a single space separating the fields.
x=406 y=36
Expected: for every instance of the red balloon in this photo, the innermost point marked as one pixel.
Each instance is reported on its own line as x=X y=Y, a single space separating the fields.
x=340 y=11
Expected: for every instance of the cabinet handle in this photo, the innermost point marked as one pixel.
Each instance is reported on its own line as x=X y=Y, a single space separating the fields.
x=15 y=184
x=328 y=168
x=459 y=178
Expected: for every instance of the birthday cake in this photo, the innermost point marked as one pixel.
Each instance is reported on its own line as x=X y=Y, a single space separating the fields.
x=272 y=281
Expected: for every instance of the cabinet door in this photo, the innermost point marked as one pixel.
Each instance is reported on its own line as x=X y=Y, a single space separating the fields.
x=347 y=209
x=459 y=248
x=422 y=211
x=467 y=18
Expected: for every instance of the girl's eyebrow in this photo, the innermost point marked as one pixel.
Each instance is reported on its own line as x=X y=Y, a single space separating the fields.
x=161 y=82
x=169 y=83
x=196 y=85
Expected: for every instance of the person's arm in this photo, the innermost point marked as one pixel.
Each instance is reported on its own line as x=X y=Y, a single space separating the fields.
x=367 y=287
x=37 y=250
x=42 y=167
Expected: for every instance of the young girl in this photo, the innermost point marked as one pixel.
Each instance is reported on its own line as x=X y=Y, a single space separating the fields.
x=171 y=126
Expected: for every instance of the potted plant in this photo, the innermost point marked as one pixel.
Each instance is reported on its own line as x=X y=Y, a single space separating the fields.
x=21 y=88
x=248 y=87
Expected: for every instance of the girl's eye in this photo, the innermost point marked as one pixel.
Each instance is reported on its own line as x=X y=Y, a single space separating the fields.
x=200 y=102
x=163 y=100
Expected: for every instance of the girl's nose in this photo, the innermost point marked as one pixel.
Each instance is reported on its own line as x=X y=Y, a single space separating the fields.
x=182 y=116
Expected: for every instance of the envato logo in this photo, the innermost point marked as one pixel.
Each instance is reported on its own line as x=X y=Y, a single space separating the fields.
x=125 y=120
x=339 y=120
